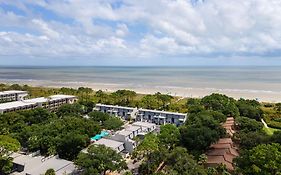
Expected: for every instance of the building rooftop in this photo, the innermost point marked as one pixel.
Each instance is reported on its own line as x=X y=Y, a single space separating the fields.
x=115 y=106
x=144 y=124
x=54 y=97
x=162 y=112
x=132 y=128
x=32 y=101
x=38 y=165
x=124 y=132
x=109 y=143
x=12 y=92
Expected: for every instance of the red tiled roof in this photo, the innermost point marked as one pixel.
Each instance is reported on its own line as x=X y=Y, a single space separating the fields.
x=223 y=152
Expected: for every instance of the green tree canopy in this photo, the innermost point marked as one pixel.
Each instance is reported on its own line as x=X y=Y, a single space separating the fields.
x=221 y=103
x=50 y=172
x=7 y=146
x=169 y=135
x=246 y=124
x=100 y=159
x=263 y=159
x=70 y=110
x=113 y=123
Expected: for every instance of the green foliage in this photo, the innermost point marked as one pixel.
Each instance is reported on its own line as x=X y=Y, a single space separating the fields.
x=70 y=110
x=221 y=103
x=113 y=123
x=51 y=137
x=277 y=107
x=100 y=117
x=50 y=172
x=245 y=124
x=149 y=144
x=248 y=140
x=249 y=108
x=181 y=163
x=35 y=116
x=263 y=159
x=7 y=146
x=169 y=136
x=100 y=159
x=198 y=139
x=156 y=101
x=200 y=131
x=70 y=145
x=276 y=137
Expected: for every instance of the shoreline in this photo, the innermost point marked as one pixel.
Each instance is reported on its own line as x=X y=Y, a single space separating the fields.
x=261 y=96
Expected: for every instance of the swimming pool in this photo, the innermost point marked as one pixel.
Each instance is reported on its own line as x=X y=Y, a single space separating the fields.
x=99 y=136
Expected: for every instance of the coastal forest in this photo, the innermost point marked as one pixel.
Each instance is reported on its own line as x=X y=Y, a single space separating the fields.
x=173 y=151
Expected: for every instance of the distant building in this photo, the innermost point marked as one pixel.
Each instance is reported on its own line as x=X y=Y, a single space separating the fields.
x=118 y=111
x=161 y=117
x=12 y=95
x=38 y=165
x=145 y=115
x=51 y=103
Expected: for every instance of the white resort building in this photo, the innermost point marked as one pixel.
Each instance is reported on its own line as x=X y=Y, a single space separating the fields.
x=120 y=111
x=122 y=141
x=145 y=115
x=50 y=103
x=12 y=95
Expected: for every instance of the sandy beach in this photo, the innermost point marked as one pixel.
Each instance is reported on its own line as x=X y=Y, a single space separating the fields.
x=262 y=96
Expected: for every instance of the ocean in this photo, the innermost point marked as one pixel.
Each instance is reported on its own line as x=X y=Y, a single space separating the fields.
x=244 y=79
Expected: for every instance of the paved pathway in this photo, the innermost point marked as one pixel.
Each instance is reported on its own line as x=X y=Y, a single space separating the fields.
x=265 y=125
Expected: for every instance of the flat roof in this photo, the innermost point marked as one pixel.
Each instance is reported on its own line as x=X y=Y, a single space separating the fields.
x=132 y=128
x=144 y=124
x=61 y=96
x=38 y=165
x=12 y=92
x=115 y=106
x=162 y=112
x=124 y=132
x=109 y=143
x=15 y=104
x=32 y=101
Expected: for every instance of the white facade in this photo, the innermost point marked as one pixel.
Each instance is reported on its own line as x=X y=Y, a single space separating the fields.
x=118 y=111
x=122 y=141
x=12 y=95
x=51 y=103
x=161 y=117
x=145 y=115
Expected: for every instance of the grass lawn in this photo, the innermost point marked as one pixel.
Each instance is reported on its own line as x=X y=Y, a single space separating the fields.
x=270 y=131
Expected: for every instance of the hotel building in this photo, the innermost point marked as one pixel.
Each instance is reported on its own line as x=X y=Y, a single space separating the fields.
x=12 y=95
x=143 y=115
x=118 y=111
x=51 y=103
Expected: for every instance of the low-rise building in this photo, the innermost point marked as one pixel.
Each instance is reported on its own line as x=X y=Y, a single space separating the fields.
x=224 y=151
x=115 y=145
x=144 y=115
x=50 y=103
x=123 y=140
x=12 y=95
x=145 y=126
x=38 y=165
x=118 y=111
x=161 y=117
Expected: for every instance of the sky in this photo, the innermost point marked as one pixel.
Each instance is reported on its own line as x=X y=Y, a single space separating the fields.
x=140 y=32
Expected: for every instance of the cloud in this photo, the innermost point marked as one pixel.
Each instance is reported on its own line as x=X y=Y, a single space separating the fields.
x=146 y=29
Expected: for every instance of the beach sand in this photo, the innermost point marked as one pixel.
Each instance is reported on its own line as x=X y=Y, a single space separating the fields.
x=262 y=96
